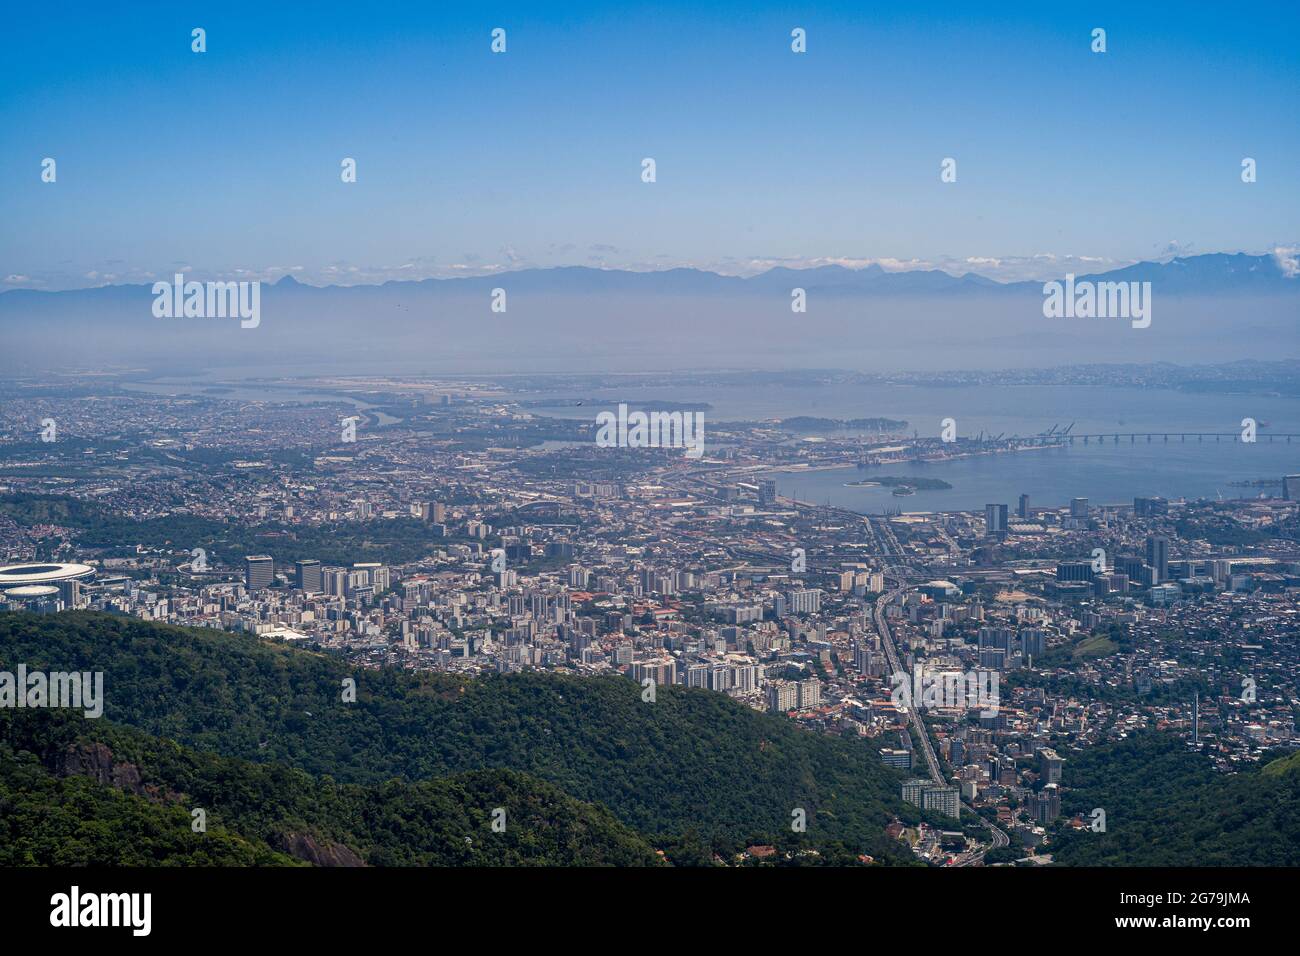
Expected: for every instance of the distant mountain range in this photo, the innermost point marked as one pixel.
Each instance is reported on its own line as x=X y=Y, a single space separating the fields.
x=1206 y=308
x=1216 y=273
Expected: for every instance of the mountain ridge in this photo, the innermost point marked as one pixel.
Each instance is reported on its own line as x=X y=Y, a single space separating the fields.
x=1190 y=272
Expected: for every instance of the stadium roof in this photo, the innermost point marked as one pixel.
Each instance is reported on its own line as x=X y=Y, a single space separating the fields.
x=19 y=574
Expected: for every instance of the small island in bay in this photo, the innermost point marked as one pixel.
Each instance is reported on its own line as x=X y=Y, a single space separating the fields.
x=899 y=481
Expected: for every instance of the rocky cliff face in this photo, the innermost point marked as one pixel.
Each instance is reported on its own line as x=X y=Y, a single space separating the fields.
x=306 y=847
x=96 y=761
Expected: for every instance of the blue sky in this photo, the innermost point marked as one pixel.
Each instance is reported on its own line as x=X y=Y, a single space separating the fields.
x=472 y=162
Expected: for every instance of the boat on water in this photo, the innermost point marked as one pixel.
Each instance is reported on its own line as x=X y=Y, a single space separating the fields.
x=903 y=490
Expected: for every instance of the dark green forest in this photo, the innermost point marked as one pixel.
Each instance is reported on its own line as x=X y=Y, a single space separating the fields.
x=1167 y=806
x=75 y=792
x=694 y=773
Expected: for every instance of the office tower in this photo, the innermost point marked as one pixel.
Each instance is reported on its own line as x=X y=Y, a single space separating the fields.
x=259 y=571
x=995 y=519
x=1129 y=565
x=1074 y=571
x=307 y=576
x=1158 y=556
x=1078 y=507
x=1022 y=509
x=1291 y=487
x=766 y=493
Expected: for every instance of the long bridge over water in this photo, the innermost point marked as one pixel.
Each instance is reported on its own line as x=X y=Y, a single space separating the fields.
x=1114 y=437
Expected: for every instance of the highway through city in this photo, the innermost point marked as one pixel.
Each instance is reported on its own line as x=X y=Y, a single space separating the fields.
x=921 y=735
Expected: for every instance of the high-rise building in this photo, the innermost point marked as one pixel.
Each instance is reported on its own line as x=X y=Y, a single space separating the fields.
x=1022 y=509
x=259 y=571
x=307 y=576
x=1291 y=487
x=1129 y=565
x=810 y=693
x=914 y=788
x=782 y=696
x=945 y=800
x=1047 y=804
x=1158 y=556
x=766 y=493
x=807 y=601
x=993 y=658
x=1000 y=637
x=1033 y=642
x=1078 y=507
x=661 y=671
x=995 y=519
x=1050 y=764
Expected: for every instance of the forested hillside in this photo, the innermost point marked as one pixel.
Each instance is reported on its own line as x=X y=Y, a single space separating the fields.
x=79 y=792
x=1167 y=806
x=694 y=772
